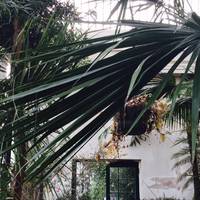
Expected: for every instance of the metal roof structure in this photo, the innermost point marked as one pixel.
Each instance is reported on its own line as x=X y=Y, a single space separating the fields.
x=100 y=13
x=100 y=18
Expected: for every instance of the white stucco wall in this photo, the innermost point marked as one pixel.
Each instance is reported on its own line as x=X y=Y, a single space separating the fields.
x=156 y=177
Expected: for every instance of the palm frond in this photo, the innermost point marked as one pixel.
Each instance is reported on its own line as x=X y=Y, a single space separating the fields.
x=81 y=100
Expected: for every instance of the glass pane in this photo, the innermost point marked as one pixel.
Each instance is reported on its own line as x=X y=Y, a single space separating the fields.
x=91 y=181
x=122 y=183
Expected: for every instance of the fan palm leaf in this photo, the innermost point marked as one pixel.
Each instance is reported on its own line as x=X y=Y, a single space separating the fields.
x=82 y=100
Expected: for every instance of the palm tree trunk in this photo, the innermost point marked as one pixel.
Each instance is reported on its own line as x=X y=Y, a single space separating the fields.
x=39 y=192
x=195 y=164
x=6 y=164
x=21 y=150
x=195 y=171
x=19 y=180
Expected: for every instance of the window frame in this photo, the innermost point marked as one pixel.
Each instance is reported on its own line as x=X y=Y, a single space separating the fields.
x=122 y=163
x=110 y=163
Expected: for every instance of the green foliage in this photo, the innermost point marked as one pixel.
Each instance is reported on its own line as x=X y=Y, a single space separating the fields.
x=91 y=180
x=99 y=181
x=183 y=158
x=91 y=94
x=34 y=16
x=27 y=29
x=80 y=101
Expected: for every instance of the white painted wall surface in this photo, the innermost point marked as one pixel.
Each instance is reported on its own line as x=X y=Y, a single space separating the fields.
x=156 y=177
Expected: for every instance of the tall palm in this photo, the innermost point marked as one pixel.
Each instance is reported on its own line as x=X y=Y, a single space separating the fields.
x=180 y=116
x=80 y=101
x=28 y=27
x=182 y=113
x=190 y=175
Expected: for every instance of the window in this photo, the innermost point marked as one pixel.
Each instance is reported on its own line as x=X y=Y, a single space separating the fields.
x=122 y=180
x=105 y=180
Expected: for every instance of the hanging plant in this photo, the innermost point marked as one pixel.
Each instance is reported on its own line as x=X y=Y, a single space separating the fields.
x=109 y=148
x=124 y=119
x=153 y=119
